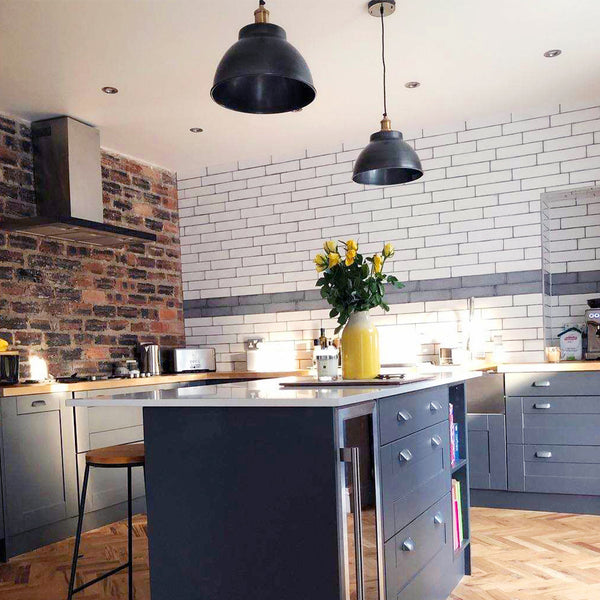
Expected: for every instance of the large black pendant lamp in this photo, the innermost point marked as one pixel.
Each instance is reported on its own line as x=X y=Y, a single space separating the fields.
x=262 y=73
x=387 y=159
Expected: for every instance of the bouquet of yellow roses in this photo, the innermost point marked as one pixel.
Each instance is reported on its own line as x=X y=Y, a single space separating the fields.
x=350 y=282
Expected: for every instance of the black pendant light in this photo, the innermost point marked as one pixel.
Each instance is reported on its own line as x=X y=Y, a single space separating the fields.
x=262 y=73
x=387 y=159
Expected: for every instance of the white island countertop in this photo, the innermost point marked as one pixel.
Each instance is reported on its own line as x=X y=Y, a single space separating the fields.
x=267 y=393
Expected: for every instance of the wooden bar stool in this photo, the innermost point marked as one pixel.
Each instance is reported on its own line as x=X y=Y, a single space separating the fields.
x=113 y=457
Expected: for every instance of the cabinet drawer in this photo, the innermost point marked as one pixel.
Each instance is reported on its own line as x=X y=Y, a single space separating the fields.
x=563 y=405
x=402 y=415
x=559 y=429
x=38 y=403
x=555 y=469
x=415 y=474
x=552 y=384
x=417 y=545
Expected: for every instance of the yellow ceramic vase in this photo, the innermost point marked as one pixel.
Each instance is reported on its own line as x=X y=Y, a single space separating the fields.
x=360 y=348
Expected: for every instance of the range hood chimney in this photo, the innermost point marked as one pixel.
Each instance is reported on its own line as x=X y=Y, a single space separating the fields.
x=68 y=187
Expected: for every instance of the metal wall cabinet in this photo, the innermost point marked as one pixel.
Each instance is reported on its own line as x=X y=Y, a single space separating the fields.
x=487 y=457
x=38 y=461
x=553 y=433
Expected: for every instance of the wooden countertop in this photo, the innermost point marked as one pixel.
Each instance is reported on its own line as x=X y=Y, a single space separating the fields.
x=568 y=366
x=24 y=389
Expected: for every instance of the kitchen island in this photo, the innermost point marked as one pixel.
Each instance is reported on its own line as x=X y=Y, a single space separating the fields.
x=325 y=493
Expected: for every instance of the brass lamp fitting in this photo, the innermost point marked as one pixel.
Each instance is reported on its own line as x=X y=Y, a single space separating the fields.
x=386 y=123
x=261 y=14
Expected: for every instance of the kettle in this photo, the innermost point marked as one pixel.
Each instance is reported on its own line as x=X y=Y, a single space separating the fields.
x=150 y=359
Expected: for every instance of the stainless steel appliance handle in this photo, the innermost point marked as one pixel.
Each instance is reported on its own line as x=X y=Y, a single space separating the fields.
x=352 y=455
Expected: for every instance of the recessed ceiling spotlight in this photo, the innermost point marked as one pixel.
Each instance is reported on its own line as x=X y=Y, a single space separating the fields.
x=196 y=129
x=411 y=85
x=552 y=53
x=110 y=90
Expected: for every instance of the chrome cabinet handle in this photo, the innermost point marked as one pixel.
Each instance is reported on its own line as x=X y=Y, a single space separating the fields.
x=404 y=415
x=435 y=406
x=405 y=455
x=542 y=405
x=352 y=456
x=541 y=384
x=438 y=519
x=543 y=454
x=408 y=545
x=436 y=440
x=37 y=403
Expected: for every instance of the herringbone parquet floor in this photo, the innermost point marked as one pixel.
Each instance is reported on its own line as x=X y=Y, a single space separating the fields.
x=517 y=555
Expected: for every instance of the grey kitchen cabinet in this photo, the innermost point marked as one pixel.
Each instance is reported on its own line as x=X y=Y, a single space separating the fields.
x=487 y=456
x=101 y=426
x=98 y=427
x=304 y=472
x=38 y=461
x=553 y=433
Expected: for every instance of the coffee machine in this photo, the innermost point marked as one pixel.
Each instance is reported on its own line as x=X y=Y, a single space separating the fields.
x=592 y=319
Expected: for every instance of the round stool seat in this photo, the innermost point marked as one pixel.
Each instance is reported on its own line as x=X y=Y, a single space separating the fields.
x=126 y=455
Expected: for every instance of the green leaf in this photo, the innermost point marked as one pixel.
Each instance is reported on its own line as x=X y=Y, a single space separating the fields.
x=333 y=313
x=323 y=292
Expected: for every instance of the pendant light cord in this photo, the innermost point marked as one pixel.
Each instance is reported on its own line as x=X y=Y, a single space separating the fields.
x=383 y=61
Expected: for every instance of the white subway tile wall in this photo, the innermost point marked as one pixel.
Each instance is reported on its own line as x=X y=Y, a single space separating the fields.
x=409 y=332
x=481 y=184
x=253 y=227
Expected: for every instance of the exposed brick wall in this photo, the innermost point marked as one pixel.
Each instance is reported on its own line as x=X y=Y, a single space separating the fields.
x=84 y=307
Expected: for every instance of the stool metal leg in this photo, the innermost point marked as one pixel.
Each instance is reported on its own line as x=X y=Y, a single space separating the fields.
x=78 y=534
x=130 y=533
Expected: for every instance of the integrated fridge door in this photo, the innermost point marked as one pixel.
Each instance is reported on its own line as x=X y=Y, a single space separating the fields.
x=361 y=533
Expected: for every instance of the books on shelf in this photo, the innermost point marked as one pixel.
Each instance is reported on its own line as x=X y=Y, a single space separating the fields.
x=454 y=438
x=457 y=514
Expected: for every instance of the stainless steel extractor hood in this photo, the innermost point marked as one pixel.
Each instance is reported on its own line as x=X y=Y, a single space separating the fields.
x=68 y=187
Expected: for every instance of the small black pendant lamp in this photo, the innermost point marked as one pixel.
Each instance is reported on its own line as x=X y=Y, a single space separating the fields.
x=262 y=73
x=387 y=159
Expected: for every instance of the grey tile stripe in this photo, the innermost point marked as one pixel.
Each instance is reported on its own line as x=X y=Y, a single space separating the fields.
x=478 y=286
x=453 y=288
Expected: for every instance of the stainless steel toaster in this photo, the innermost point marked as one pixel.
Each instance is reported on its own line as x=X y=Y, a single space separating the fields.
x=189 y=360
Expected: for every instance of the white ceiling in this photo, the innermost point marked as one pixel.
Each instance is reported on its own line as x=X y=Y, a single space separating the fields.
x=474 y=58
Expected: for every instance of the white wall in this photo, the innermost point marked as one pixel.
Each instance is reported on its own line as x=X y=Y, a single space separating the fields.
x=253 y=227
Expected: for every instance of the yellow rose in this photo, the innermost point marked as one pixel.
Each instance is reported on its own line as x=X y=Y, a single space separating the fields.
x=321 y=262
x=377 y=263
x=334 y=259
x=351 y=245
x=388 y=250
x=330 y=246
x=350 y=256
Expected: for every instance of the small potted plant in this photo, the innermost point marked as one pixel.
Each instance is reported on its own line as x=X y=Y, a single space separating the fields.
x=353 y=285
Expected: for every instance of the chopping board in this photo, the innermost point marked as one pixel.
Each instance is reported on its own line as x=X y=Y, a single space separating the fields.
x=313 y=383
